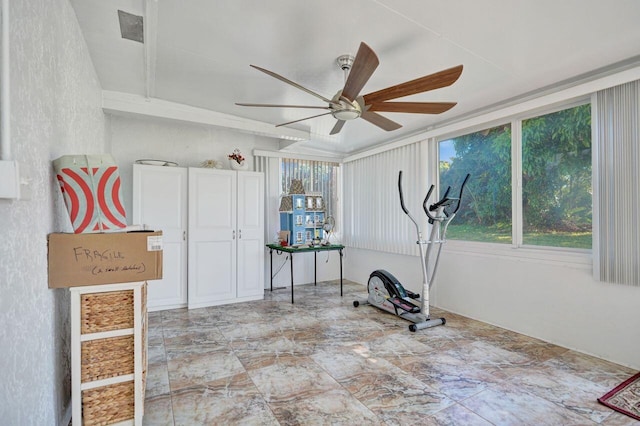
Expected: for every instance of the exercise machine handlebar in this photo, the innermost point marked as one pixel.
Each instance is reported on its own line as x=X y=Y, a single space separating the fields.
x=464 y=182
x=400 y=191
x=433 y=207
x=404 y=208
x=445 y=200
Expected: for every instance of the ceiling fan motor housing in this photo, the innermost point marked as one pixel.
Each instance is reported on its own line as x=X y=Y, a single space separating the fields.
x=343 y=109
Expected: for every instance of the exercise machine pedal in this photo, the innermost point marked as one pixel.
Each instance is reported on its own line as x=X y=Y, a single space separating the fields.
x=412 y=295
x=405 y=306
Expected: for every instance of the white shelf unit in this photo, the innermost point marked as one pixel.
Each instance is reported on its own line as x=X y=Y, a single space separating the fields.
x=86 y=377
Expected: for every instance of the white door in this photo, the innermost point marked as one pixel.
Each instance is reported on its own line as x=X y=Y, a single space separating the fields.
x=160 y=203
x=212 y=237
x=250 y=234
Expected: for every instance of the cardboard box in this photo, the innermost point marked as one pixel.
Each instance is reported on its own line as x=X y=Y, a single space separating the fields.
x=108 y=258
x=90 y=186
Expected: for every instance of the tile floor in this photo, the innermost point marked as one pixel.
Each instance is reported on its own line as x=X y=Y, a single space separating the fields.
x=324 y=362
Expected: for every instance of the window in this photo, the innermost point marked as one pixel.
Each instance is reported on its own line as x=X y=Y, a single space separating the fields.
x=318 y=177
x=556 y=179
x=554 y=205
x=485 y=211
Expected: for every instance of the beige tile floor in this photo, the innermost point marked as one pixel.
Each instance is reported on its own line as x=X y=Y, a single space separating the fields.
x=323 y=362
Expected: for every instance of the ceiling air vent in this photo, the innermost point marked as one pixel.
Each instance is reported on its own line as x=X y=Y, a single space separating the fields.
x=131 y=26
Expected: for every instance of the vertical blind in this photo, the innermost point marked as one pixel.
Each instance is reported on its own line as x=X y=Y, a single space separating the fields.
x=269 y=167
x=374 y=219
x=616 y=183
x=270 y=202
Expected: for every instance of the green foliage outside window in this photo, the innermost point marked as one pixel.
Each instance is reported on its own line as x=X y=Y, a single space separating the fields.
x=556 y=175
x=485 y=211
x=556 y=181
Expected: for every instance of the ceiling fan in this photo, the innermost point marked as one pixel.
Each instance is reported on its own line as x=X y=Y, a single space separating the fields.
x=347 y=104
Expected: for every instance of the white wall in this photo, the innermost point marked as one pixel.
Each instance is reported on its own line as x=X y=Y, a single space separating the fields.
x=550 y=301
x=55 y=110
x=556 y=303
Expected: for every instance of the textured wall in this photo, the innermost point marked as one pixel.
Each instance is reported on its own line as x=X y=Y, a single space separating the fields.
x=55 y=110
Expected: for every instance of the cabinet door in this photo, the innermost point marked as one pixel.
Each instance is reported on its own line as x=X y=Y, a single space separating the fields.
x=160 y=203
x=212 y=237
x=251 y=249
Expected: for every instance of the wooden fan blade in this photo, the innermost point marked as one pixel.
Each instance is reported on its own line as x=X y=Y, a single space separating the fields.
x=336 y=129
x=380 y=121
x=296 y=85
x=423 y=84
x=413 y=107
x=302 y=119
x=282 y=106
x=364 y=65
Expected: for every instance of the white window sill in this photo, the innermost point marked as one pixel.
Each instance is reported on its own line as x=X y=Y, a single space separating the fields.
x=573 y=258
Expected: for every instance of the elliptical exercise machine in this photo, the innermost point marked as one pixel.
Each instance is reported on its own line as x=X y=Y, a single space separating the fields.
x=387 y=293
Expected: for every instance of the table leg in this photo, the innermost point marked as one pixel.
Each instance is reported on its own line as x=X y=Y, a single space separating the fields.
x=291 y=260
x=271 y=269
x=315 y=267
x=340 y=273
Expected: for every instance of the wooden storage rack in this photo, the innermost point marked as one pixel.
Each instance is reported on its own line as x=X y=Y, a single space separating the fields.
x=108 y=353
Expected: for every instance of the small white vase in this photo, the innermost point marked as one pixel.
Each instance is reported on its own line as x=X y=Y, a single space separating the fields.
x=238 y=166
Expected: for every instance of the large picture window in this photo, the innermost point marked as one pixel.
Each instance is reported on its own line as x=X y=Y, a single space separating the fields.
x=556 y=179
x=485 y=212
x=548 y=203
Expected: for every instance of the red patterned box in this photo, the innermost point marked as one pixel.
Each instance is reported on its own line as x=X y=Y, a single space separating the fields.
x=90 y=186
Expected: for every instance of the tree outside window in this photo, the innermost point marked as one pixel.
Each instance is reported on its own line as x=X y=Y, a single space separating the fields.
x=485 y=211
x=556 y=179
x=555 y=171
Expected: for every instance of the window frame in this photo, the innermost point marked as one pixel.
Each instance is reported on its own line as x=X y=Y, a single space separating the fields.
x=576 y=257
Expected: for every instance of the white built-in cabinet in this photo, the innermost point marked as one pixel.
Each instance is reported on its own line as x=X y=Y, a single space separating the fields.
x=223 y=237
x=226 y=236
x=160 y=203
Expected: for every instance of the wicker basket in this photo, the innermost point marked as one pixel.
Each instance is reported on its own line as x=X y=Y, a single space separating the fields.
x=106 y=311
x=108 y=404
x=104 y=358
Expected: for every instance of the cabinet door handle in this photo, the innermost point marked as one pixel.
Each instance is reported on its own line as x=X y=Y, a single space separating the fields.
x=239 y=233
x=233 y=235
x=184 y=235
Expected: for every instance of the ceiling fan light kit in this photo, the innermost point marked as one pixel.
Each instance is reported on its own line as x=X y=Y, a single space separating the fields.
x=348 y=105
x=343 y=109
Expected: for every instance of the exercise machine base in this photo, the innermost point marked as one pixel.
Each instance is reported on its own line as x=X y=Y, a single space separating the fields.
x=388 y=294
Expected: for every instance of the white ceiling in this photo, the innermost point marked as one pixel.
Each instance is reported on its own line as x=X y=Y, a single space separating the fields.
x=197 y=53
